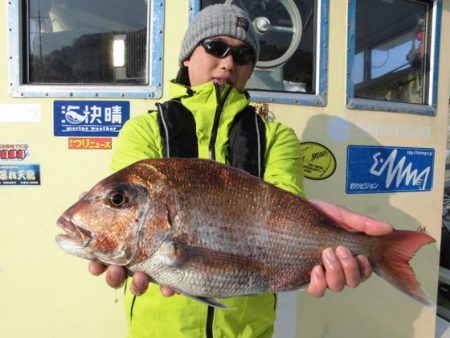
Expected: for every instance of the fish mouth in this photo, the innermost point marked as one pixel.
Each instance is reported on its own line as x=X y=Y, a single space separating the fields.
x=74 y=234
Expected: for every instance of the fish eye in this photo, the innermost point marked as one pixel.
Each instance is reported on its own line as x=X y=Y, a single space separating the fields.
x=117 y=199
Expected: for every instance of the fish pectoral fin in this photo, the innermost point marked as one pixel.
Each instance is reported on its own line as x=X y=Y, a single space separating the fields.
x=209 y=301
x=181 y=255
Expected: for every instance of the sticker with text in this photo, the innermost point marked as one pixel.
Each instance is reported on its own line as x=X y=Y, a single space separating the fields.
x=97 y=143
x=15 y=152
x=377 y=169
x=20 y=174
x=319 y=162
x=89 y=118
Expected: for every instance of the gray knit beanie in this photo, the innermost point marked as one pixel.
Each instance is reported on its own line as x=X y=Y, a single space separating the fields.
x=221 y=19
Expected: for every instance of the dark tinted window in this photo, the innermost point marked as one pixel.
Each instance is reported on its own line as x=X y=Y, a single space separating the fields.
x=85 y=41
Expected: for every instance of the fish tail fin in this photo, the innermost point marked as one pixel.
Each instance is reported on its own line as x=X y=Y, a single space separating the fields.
x=391 y=256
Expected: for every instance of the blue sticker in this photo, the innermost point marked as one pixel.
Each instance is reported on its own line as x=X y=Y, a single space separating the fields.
x=376 y=169
x=89 y=118
x=20 y=174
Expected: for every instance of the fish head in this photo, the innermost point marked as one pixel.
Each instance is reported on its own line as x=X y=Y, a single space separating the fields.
x=105 y=223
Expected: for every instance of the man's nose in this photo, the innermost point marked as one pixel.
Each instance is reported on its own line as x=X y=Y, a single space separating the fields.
x=227 y=62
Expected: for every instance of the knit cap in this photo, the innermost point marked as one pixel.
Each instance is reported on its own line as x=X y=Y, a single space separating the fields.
x=220 y=19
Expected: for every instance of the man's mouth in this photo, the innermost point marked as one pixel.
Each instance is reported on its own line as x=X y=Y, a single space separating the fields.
x=221 y=80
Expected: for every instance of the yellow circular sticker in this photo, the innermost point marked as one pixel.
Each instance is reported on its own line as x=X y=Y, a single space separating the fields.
x=319 y=162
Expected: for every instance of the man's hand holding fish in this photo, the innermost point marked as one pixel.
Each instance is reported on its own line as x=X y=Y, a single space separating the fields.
x=340 y=268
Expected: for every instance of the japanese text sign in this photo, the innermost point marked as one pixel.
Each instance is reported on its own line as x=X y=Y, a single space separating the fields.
x=20 y=174
x=14 y=152
x=377 y=169
x=93 y=143
x=89 y=118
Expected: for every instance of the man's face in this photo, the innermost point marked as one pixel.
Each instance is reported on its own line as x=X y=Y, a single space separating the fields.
x=204 y=67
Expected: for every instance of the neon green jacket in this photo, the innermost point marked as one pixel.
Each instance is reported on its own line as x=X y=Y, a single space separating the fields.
x=152 y=315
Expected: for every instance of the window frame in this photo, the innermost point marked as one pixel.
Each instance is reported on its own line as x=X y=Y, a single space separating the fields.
x=429 y=108
x=321 y=62
x=154 y=71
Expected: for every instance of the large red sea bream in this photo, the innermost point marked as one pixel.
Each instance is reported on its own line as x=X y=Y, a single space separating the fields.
x=208 y=230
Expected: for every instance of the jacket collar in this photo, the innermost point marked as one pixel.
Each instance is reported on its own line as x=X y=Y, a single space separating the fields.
x=205 y=95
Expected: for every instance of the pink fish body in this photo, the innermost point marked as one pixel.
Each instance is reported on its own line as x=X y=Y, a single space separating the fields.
x=209 y=230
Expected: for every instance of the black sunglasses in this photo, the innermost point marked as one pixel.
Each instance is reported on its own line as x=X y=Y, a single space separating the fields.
x=242 y=55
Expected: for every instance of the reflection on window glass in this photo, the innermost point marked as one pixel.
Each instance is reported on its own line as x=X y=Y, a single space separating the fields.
x=287 y=43
x=392 y=48
x=85 y=41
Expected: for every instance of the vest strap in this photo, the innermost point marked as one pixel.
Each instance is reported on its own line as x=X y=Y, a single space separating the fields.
x=248 y=142
x=177 y=128
x=247 y=137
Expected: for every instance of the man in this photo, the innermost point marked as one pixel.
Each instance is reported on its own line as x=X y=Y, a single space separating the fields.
x=209 y=117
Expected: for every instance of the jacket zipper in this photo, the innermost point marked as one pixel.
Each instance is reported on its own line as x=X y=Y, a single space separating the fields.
x=212 y=156
x=209 y=322
x=218 y=113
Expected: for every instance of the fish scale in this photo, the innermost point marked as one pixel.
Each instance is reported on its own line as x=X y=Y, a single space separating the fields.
x=209 y=230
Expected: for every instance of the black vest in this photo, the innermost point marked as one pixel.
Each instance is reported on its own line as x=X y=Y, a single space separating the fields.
x=247 y=138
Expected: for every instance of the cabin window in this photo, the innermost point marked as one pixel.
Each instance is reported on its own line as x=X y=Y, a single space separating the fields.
x=85 y=48
x=392 y=56
x=293 y=49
